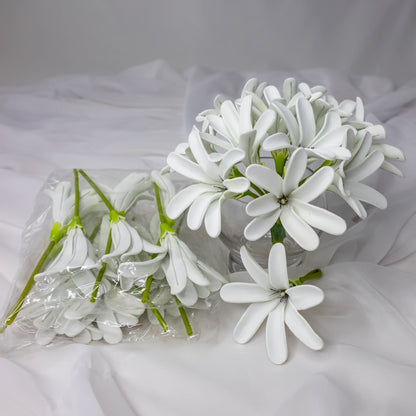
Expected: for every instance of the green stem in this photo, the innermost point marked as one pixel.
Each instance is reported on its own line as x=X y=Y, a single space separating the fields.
x=158 y=316
x=11 y=316
x=313 y=274
x=101 y=272
x=145 y=295
x=257 y=189
x=76 y=180
x=97 y=190
x=184 y=317
x=159 y=204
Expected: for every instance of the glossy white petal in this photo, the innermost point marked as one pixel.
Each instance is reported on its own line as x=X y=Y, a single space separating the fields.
x=198 y=209
x=141 y=269
x=276 y=141
x=109 y=327
x=276 y=335
x=263 y=124
x=278 y=267
x=299 y=230
x=289 y=120
x=295 y=169
x=315 y=185
x=175 y=270
x=245 y=114
x=186 y=167
x=301 y=328
x=262 y=205
x=265 y=178
x=306 y=120
x=258 y=227
x=59 y=196
x=231 y=158
x=230 y=116
x=305 y=296
x=320 y=218
x=188 y=296
x=240 y=292
x=213 y=219
x=237 y=185
x=367 y=194
x=271 y=93
x=183 y=199
x=257 y=273
x=367 y=168
x=251 y=320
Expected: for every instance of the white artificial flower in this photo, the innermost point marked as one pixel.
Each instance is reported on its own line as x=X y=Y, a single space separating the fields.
x=289 y=202
x=188 y=277
x=237 y=129
x=204 y=199
x=327 y=143
x=272 y=297
x=77 y=253
x=166 y=187
x=349 y=174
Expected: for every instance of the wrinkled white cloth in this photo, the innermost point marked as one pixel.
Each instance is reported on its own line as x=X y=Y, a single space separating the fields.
x=131 y=121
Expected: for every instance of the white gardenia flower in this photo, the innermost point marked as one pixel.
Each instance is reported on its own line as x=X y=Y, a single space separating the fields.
x=289 y=202
x=327 y=143
x=272 y=297
x=77 y=254
x=188 y=277
x=349 y=174
x=235 y=128
x=204 y=199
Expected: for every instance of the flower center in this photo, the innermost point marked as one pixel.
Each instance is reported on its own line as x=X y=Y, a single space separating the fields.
x=282 y=295
x=283 y=200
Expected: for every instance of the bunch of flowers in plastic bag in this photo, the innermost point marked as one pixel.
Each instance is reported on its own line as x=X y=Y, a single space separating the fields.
x=317 y=144
x=102 y=268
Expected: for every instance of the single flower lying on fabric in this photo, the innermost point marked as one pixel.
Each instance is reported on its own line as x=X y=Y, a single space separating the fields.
x=289 y=202
x=272 y=297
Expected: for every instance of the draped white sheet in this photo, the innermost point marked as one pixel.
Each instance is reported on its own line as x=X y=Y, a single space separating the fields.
x=368 y=317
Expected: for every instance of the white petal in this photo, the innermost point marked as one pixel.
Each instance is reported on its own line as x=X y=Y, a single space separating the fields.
x=198 y=209
x=245 y=114
x=141 y=269
x=124 y=303
x=334 y=138
x=136 y=245
x=276 y=335
x=295 y=170
x=271 y=93
x=263 y=124
x=306 y=120
x=320 y=218
x=290 y=121
x=332 y=122
x=193 y=272
x=109 y=327
x=45 y=336
x=315 y=185
x=278 y=267
x=126 y=192
x=201 y=156
x=231 y=119
x=390 y=152
x=237 y=185
x=211 y=272
x=218 y=125
x=367 y=168
x=175 y=271
x=260 y=226
x=240 y=292
x=181 y=201
x=265 y=178
x=213 y=219
x=121 y=237
x=298 y=229
x=301 y=329
x=187 y=168
x=367 y=194
x=362 y=152
x=231 y=158
x=262 y=205
x=188 y=296
x=216 y=141
x=305 y=296
x=80 y=250
x=389 y=167
x=276 y=141
x=251 y=320
x=257 y=273
x=290 y=87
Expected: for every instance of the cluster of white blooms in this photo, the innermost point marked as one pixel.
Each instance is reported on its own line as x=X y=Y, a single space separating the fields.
x=92 y=284
x=317 y=144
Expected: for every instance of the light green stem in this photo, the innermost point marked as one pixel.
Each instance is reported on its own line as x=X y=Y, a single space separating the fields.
x=11 y=316
x=184 y=317
x=102 y=271
x=158 y=316
x=76 y=206
x=97 y=190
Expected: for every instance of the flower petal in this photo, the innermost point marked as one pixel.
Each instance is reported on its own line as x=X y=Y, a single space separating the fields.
x=263 y=124
x=188 y=296
x=107 y=323
x=301 y=328
x=240 y=292
x=213 y=218
x=271 y=93
x=276 y=335
x=295 y=170
x=257 y=273
x=315 y=185
x=367 y=194
x=181 y=201
x=231 y=118
x=306 y=120
x=121 y=237
x=265 y=178
x=367 y=168
x=245 y=114
x=299 y=230
x=198 y=209
x=258 y=227
x=262 y=205
x=231 y=158
x=186 y=167
x=251 y=320
x=175 y=271
x=237 y=185
x=276 y=141
x=320 y=218
x=305 y=296
x=141 y=269
x=289 y=120
x=278 y=267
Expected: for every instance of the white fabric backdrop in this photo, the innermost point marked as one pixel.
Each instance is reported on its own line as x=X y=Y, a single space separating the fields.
x=132 y=120
x=40 y=38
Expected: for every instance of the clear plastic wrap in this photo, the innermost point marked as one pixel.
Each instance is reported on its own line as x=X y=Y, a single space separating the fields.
x=101 y=261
